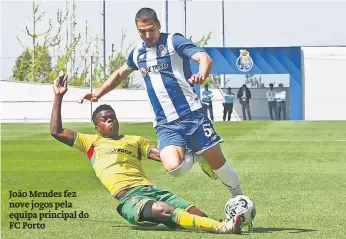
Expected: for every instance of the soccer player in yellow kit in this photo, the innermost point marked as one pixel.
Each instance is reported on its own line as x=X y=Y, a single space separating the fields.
x=116 y=160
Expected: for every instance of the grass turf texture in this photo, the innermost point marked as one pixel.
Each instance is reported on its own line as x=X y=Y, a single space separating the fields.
x=295 y=172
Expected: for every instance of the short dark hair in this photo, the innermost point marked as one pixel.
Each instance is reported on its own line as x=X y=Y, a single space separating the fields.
x=271 y=84
x=145 y=15
x=99 y=109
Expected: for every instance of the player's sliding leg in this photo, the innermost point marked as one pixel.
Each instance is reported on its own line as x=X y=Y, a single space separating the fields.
x=167 y=213
x=192 y=210
x=194 y=222
x=149 y=205
x=220 y=167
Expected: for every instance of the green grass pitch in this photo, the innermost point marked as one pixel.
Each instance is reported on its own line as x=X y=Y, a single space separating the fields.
x=294 y=171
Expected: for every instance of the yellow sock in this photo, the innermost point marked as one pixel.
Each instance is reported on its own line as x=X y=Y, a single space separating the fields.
x=190 y=221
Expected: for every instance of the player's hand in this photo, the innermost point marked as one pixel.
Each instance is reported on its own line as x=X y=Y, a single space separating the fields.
x=196 y=79
x=89 y=96
x=60 y=85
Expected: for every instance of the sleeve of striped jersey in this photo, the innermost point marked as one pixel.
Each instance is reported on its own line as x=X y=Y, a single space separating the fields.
x=144 y=146
x=184 y=47
x=83 y=142
x=130 y=64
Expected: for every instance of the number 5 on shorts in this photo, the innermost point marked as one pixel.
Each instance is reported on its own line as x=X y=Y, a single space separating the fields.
x=208 y=130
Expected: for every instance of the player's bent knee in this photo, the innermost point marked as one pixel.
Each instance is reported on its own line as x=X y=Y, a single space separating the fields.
x=172 y=157
x=146 y=213
x=162 y=211
x=156 y=212
x=178 y=172
x=184 y=167
x=170 y=168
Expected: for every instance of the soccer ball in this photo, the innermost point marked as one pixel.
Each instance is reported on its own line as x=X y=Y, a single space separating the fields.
x=243 y=206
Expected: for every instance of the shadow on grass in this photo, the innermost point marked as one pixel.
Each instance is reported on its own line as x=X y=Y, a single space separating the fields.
x=158 y=228
x=115 y=223
x=256 y=230
x=270 y=230
x=119 y=224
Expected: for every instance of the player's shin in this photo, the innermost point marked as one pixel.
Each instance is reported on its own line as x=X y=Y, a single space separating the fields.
x=229 y=178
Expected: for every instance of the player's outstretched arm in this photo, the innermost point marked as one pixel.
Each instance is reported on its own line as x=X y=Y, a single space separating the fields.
x=65 y=136
x=111 y=83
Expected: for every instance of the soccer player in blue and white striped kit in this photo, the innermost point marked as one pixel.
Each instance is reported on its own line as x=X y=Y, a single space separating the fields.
x=180 y=123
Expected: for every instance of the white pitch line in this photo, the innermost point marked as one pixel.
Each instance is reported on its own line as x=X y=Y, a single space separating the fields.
x=226 y=140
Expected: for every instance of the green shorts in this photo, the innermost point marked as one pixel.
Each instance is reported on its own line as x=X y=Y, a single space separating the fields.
x=131 y=204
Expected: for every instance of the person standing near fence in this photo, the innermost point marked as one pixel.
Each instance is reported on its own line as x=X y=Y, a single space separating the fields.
x=280 y=97
x=271 y=101
x=208 y=102
x=244 y=96
x=228 y=104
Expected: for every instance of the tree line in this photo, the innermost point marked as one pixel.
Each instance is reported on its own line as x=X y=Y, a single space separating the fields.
x=76 y=52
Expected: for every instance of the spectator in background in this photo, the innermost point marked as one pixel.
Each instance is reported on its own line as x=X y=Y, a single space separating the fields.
x=280 y=97
x=244 y=96
x=228 y=104
x=207 y=102
x=271 y=101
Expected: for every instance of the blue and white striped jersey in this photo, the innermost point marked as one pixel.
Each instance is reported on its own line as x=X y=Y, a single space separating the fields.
x=166 y=69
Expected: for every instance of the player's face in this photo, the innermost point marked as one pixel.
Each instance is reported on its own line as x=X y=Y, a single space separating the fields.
x=107 y=123
x=149 y=32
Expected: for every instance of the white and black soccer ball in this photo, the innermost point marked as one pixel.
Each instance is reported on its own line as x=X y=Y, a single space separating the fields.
x=243 y=206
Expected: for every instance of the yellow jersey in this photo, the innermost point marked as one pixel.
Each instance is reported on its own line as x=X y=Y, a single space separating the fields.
x=117 y=162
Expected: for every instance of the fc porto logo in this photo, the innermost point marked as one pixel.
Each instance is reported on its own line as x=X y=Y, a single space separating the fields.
x=143 y=71
x=162 y=51
x=244 y=61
